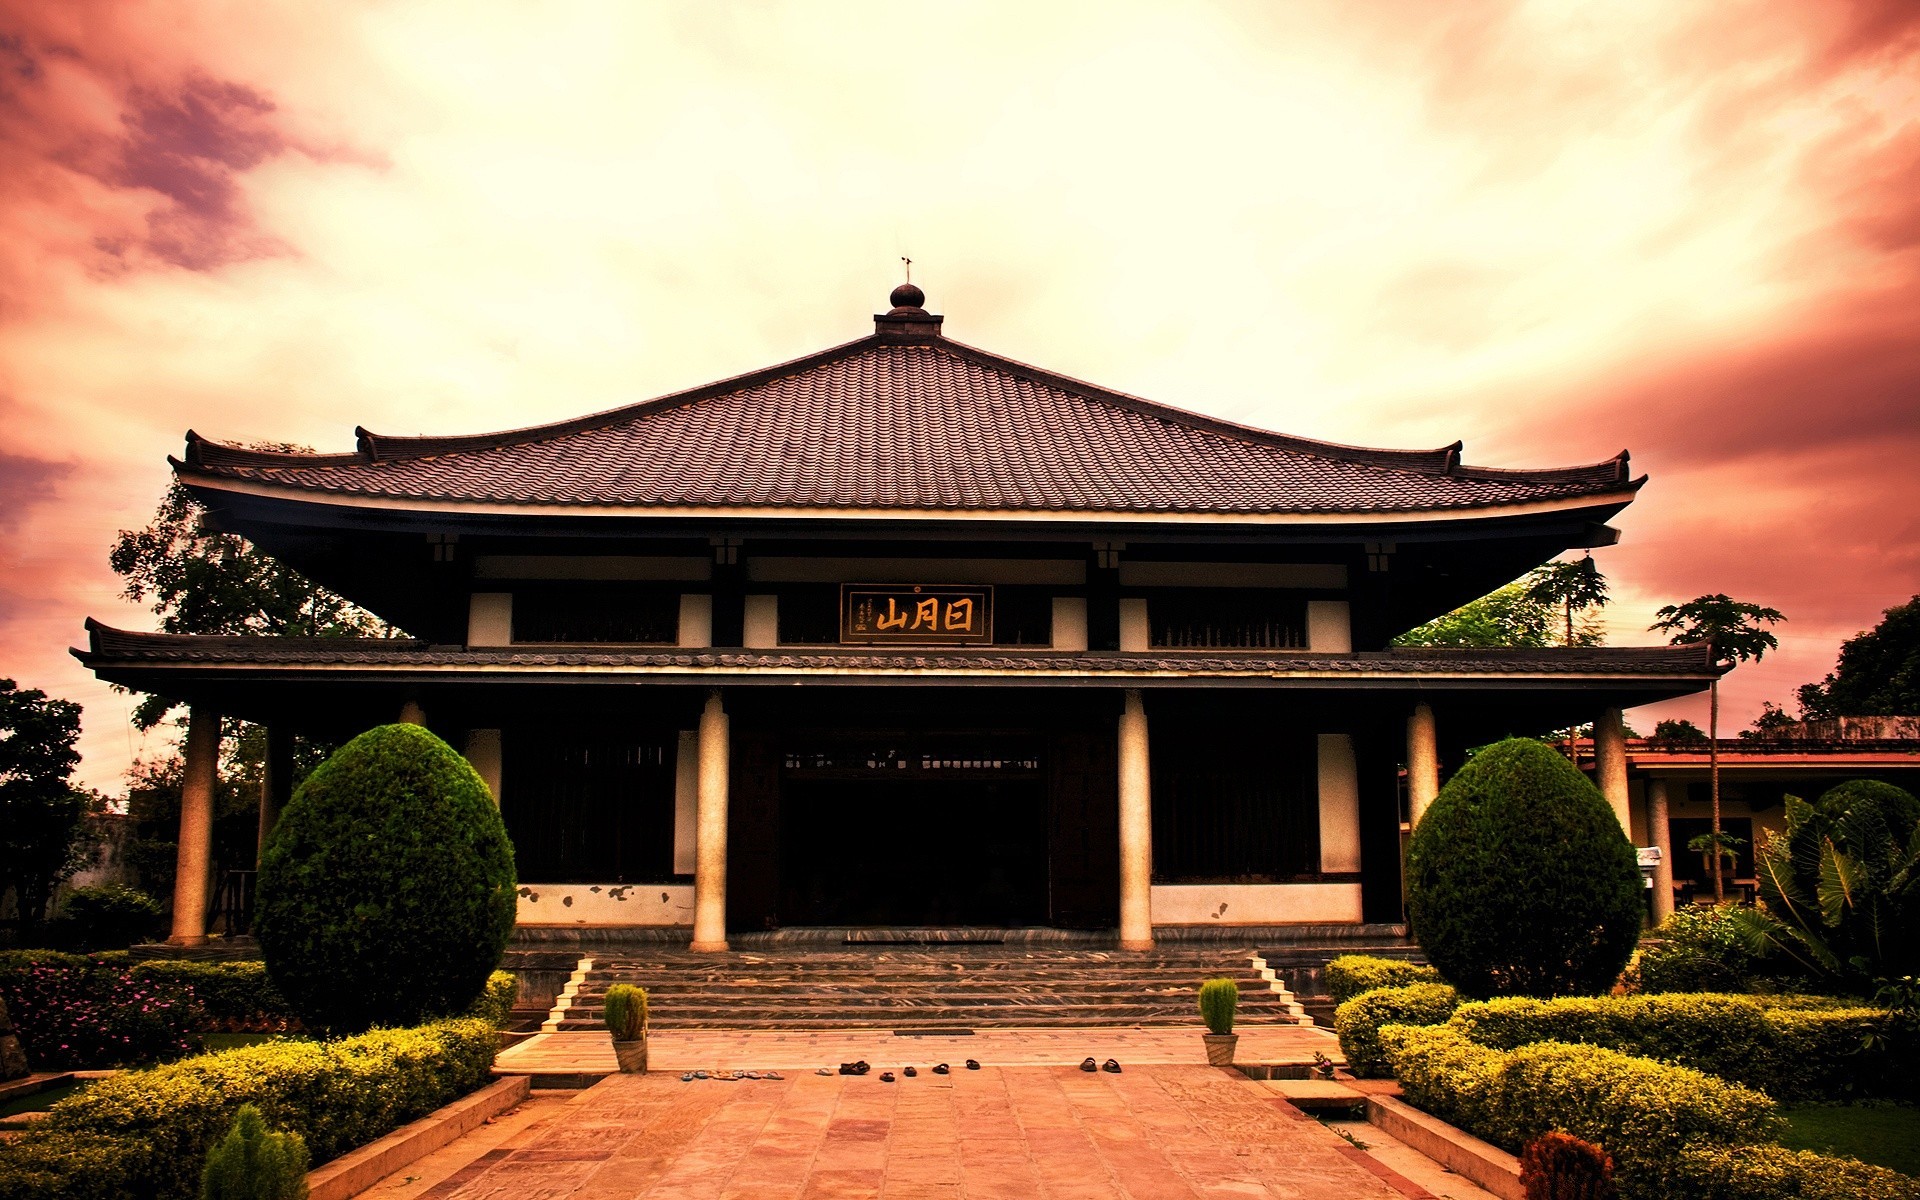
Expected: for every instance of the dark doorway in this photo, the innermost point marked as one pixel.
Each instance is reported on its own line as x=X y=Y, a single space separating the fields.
x=914 y=835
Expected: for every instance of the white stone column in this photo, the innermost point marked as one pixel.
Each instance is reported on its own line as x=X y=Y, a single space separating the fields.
x=195 y=862
x=1136 y=828
x=276 y=784
x=710 y=836
x=1610 y=765
x=1423 y=761
x=1659 y=833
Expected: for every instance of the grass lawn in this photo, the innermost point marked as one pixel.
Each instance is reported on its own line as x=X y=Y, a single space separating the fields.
x=41 y=1100
x=1885 y=1134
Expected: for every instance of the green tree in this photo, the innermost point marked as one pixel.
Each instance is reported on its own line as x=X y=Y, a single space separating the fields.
x=1841 y=887
x=1506 y=616
x=1878 y=674
x=197 y=579
x=45 y=834
x=1574 y=586
x=1521 y=613
x=1732 y=628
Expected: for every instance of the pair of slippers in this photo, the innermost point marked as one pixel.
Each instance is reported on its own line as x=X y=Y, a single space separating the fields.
x=1110 y=1066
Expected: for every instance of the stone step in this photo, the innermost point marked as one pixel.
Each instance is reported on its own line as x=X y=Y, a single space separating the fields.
x=996 y=1017
x=1277 y=1003
x=598 y=982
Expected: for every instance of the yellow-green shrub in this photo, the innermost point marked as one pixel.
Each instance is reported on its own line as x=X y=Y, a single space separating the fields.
x=336 y=1095
x=1806 y=1048
x=1777 y=1173
x=48 y=1165
x=495 y=1005
x=1358 y=1022
x=1351 y=974
x=1642 y=1112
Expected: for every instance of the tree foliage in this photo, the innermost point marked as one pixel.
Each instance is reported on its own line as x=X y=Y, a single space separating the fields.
x=1840 y=887
x=199 y=580
x=1732 y=627
x=1878 y=674
x=1574 y=586
x=44 y=830
x=1525 y=612
x=1520 y=880
x=386 y=892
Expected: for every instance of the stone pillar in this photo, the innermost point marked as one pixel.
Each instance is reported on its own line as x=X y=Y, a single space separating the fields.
x=1423 y=761
x=710 y=835
x=1136 y=828
x=194 y=866
x=276 y=782
x=1610 y=765
x=412 y=714
x=1660 y=834
x=484 y=754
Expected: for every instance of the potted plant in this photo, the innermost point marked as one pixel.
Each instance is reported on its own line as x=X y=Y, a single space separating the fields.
x=1218 y=1000
x=626 y=1016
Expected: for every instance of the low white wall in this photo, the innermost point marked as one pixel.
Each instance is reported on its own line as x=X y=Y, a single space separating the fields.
x=606 y=904
x=1255 y=903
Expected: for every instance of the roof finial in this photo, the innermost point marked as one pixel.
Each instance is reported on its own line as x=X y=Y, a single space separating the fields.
x=909 y=262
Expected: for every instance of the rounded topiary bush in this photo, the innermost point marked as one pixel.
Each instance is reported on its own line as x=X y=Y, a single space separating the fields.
x=1520 y=880
x=386 y=892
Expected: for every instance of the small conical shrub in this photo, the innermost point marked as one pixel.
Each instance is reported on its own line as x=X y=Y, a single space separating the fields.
x=626 y=1012
x=1559 y=1166
x=251 y=1163
x=1218 y=1000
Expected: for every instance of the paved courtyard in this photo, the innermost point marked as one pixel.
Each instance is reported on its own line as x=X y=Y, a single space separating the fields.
x=1052 y=1132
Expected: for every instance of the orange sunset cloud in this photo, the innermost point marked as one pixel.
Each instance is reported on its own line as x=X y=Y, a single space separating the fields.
x=1552 y=230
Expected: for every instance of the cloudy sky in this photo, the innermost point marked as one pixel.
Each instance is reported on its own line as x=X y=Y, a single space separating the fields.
x=1550 y=229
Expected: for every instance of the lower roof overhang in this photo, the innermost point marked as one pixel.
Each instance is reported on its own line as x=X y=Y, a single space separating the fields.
x=185 y=666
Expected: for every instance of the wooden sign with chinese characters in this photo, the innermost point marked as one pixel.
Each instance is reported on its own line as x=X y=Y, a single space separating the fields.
x=910 y=615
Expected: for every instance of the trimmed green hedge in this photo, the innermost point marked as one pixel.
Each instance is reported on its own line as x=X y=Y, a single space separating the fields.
x=1804 y=1049
x=495 y=1005
x=336 y=1095
x=1351 y=974
x=1358 y=1022
x=1643 y=1113
x=1775 y=1172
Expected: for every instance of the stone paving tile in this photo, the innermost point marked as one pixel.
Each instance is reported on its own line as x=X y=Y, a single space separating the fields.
x=1150 y=1133
x=676 y=1051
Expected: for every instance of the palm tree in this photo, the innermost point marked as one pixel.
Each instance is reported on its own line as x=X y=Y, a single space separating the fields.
x=1731 y=628
x=1575 y=586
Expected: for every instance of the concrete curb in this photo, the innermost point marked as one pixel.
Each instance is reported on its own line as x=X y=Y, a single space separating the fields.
x=353 y=1173
x=1483 y=1162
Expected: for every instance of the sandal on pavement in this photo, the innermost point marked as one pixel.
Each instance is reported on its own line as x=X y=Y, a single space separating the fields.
x=973 y=1065
x=773 y=1075
x=942 y=1069
x=1111 y=1067
x=1088 y=1064
x=886 y=1077
x=910 y=1073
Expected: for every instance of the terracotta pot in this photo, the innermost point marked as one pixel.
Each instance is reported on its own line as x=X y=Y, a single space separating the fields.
x=632 y=1056
x=1220 y=1047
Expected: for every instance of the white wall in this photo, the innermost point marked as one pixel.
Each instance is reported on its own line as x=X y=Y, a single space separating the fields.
x=1255 y=903
x=1329 y=627
x=696 y=621
x=1135 y=632
x=606 y=904
x=1069 y=623
x=490 y=619
x=760 y=629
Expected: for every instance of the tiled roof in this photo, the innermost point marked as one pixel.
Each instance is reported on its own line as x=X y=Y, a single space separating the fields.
x=114 y=647
x=914 y=423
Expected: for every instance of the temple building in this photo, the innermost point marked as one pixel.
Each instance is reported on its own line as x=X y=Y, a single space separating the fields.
x=907 y=634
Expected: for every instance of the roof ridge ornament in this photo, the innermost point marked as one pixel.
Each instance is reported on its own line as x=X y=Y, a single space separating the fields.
x=907 y=320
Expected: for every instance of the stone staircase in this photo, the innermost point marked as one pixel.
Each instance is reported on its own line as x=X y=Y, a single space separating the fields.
x=921 y=987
